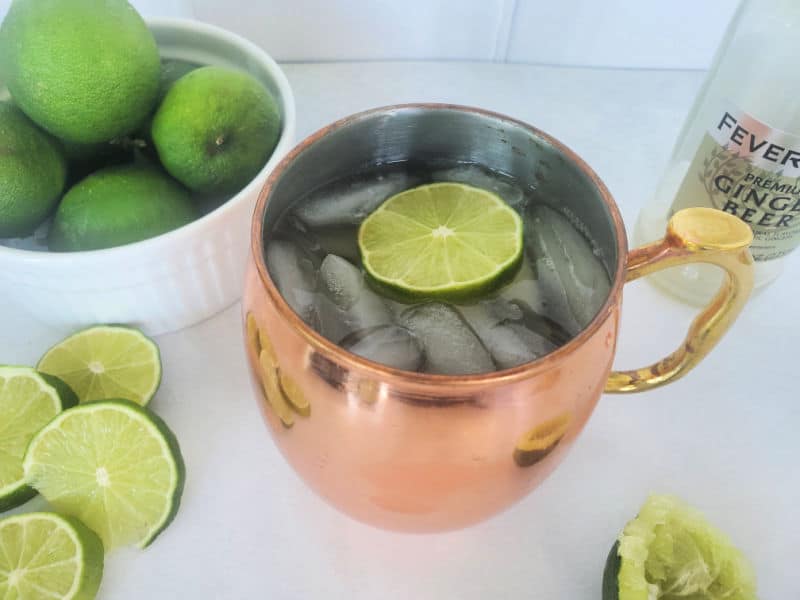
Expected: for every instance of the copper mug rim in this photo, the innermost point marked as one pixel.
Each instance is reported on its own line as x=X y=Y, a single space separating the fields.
x=458 y=383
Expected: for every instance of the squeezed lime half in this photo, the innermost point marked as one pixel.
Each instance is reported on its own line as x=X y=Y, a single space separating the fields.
x=670 y=552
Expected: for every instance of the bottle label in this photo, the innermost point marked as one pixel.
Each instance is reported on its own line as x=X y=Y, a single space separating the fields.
x=750 y=170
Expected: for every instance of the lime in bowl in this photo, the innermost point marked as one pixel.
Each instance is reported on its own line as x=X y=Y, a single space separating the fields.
x=172 y=279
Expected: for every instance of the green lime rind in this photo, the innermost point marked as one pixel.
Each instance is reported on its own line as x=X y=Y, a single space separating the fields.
x=68 y=397
x=85 y=159
x=172 y=69
x=70 y=360
x=180 y=467
x=16 y=496
x=404 y=296
x=670 y=551
x=49 y=59
x=610 y=573
x=33 y=173
x=216 y=129
x=441 y=241
x=49 y=571
x=119 y=205
x=17 y=492
x=113 y=464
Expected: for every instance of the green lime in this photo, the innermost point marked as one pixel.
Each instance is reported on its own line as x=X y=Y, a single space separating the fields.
x=670 y=552
x=47 y=556
x=117 y=206
x=114 y=465
x=216 y=129
x=32 y=173
x=172 y=69
x=442 y=240
x=85 y=159
x=86 y=71
x=28 y=401
x=106 y=362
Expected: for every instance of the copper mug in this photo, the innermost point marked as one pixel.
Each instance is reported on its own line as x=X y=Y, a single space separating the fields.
x=420 y=452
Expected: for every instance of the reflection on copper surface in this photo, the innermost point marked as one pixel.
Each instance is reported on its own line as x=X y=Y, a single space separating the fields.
x=293 y=394
x=430 y=400
x=369 y=391
x=540 y=441
x=272 y=391
x=252 y=334
x=331 y=373
x=265 y=345
x=280 y=391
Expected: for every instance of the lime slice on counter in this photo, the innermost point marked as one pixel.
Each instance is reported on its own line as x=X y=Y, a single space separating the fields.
x=442 y=240
x=28 y=401
x=106 y=362
x=670 y=552
x=114 y=465
x=45 y=556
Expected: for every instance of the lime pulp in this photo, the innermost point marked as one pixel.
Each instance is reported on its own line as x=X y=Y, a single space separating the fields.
x=442 y=240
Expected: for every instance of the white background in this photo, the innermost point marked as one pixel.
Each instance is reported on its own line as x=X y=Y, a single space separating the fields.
x=616 y=33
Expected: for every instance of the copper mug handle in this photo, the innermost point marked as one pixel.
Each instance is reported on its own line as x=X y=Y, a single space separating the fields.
x=694 y=235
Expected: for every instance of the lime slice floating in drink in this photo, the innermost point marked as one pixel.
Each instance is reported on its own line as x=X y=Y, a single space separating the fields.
x=442 y=240
x=669 y=551
x=106 y=362
x=114 y=465
x=28 y=401
x=45 y=555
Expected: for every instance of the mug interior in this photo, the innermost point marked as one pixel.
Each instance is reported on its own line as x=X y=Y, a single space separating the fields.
x=549 y=172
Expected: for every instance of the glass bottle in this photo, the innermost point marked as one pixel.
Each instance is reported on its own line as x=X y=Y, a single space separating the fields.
x=739 y=150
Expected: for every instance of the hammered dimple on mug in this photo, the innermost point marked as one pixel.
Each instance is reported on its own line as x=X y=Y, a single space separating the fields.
x=421 y=452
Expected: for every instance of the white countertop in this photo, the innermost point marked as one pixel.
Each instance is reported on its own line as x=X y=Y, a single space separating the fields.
x=726 y=438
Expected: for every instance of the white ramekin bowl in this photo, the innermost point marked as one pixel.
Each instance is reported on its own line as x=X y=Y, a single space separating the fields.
x=176 y=279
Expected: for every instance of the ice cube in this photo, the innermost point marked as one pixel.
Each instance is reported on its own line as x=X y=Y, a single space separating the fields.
x=350 y=203
x=294 y=273
x=387 y=344
x=348 y=304
x=510 y=343
x=397 y=307
x=501 y=310
x=333 y=322
x=545 y=327
x=482 y=178
x=341 y=241
x=539 y=292
x=566 y=264
x=343 y=281
x=451 y=347
x=536 y=343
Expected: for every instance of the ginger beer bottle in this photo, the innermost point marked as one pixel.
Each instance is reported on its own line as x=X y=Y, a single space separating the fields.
x=739 y=150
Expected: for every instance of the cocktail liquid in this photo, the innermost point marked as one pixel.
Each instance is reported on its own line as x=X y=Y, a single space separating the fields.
x=314 y=259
